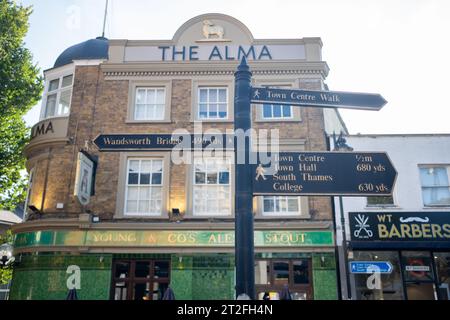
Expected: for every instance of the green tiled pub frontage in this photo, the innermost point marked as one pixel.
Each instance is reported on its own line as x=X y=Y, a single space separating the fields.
x=207 y=275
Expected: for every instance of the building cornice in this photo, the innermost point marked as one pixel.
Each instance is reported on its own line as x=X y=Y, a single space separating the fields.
x=297 y=67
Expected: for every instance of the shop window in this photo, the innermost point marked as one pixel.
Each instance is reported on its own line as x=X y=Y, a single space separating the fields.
x=281 y=273
x=150 y=103
x=58 y=97
x=389 y=286
x=276 y=111
x=281 y=205
x=212 y=103
x=442 y=262
x=435 y=185
x=418 y=275
x=144 y=187
x=212 y=186
x=300 y=271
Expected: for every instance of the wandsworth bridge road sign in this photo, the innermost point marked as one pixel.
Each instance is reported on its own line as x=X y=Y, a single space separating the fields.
x=323 y=99
x=327 y=173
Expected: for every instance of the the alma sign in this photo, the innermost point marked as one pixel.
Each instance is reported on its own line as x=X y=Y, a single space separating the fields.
x=215 y=52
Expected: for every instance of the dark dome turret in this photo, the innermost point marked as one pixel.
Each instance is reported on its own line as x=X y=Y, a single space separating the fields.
x=91 y=49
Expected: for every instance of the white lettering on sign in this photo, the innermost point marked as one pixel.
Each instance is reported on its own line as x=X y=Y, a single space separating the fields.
x=417 y=268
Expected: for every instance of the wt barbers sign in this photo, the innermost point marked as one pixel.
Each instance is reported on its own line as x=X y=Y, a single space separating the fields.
x=400 y=227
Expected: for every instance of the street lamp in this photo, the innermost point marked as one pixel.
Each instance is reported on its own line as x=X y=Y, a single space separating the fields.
x=6 y=257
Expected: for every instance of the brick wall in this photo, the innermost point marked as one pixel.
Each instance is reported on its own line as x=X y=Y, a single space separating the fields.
x=100 y=106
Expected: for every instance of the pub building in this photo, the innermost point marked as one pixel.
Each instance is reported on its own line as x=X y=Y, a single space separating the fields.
x=111 y=214
x=406 y=235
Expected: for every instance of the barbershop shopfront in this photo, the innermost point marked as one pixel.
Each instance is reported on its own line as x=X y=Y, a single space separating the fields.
x=415 y=244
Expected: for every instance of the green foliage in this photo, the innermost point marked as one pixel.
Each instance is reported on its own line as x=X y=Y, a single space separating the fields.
x=20 y=88
x=6 y=272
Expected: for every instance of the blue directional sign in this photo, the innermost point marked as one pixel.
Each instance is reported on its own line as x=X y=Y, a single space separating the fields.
x=369 y=267
x=323 y=99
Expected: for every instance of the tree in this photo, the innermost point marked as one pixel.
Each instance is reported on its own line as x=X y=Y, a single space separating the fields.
x=6 y=272
x=20 y=88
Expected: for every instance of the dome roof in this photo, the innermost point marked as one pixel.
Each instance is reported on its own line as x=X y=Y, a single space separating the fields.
x=91 y=49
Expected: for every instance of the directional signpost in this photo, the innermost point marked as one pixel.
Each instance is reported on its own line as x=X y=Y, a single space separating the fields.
x=328 y=173
x=161 y=141
x=369 y=267
x=323 y=99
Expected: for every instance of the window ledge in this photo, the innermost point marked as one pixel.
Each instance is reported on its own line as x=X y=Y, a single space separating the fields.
x=282 y=217
x=213 y=120
x=440 y=206
x=197 y=217
x=147 y=121
x=54 y=117
x=136 y=217
x=369 y=207
x=277 y=120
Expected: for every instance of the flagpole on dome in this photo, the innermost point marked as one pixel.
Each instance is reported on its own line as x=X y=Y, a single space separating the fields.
x=104 y=18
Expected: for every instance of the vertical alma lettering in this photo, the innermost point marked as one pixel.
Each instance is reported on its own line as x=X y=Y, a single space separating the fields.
x=49 y=128
x=163 y=52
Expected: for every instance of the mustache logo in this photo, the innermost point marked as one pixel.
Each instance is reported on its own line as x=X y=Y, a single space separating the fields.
x=414 y=219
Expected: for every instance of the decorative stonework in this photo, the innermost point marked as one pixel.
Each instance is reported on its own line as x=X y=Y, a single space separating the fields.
x=202 y=73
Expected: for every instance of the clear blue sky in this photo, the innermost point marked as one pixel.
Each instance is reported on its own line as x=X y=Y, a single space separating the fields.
x=399 y=48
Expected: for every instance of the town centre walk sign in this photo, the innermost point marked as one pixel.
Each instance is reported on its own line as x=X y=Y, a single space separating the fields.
x=244 y=173
x=323 y=99
x=327 y=173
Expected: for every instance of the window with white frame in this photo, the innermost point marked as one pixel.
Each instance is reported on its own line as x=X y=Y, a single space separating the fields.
x=144 y=187
x=212 y=186
x=59 y=93
x=150 y=103
x=435 y=185
x=276 y=111
x=281 y=205
x=212 y=102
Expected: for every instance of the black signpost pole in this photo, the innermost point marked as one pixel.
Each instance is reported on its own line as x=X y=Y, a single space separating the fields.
x=244 y=242
x=345 y=250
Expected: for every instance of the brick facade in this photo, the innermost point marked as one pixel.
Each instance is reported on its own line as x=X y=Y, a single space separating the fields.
x=100 y=106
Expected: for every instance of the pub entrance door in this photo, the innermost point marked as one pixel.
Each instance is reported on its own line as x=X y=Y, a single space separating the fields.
x=271 y=275
x=140 y=279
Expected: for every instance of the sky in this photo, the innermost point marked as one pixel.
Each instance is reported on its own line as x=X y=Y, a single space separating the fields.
x=398 y=48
